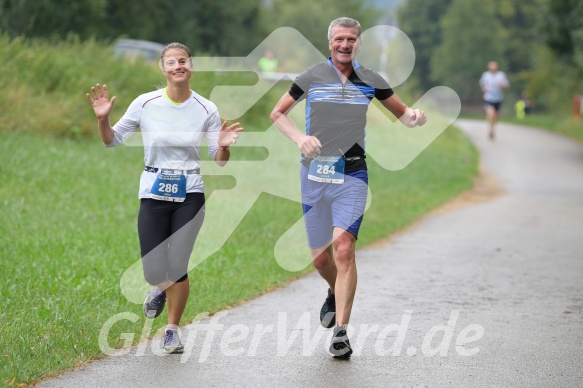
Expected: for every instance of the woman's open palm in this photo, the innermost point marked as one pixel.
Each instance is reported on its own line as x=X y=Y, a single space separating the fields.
x=101 y=103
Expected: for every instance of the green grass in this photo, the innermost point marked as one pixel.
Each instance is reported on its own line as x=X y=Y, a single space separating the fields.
x=69 y=207
x=444 y=169
x=562 y=122
x=566 y=125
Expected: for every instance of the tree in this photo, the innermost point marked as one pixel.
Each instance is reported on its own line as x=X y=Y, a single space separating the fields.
x=518 y=19
x=562 y=17
x=562 y=28
x=420 y=20
x=41 y=18
x=521 y=38
x=471 y=37
x=311 y=18
x=146 y=20
x=557 y=73
x=219 y=27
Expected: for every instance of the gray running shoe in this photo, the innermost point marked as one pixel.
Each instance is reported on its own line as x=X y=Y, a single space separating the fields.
x=154 y=303
x=340 y=346
x=172 y=344
x=328 y=311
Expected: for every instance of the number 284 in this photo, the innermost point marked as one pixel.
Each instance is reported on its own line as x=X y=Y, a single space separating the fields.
x=325 y=169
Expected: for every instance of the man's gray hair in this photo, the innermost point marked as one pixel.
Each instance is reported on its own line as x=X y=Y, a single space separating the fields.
x=343 y=22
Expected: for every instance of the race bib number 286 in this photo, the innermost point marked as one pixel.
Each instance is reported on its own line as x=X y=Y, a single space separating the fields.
x=169 y=187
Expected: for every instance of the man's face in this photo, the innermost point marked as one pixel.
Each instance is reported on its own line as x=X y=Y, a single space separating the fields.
x=493 y=67
x=344 y=44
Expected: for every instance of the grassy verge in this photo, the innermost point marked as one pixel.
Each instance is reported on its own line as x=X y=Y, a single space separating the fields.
x=565 y=125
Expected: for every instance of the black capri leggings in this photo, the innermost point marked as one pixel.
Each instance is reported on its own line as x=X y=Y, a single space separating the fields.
x=167 y=232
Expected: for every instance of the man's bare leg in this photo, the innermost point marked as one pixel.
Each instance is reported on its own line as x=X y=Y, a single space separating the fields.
x=492 y=117
x=323 y=259
x=337 y=265
x=344 y=258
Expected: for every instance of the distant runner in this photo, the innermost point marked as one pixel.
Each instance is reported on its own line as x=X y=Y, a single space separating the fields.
x=492 y=82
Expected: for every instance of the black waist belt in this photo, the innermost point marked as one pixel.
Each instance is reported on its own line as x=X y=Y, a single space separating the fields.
x=306 y=161
x=196 y=171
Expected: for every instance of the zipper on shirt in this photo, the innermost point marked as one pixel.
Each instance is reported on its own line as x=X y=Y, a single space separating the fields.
x=340 y=78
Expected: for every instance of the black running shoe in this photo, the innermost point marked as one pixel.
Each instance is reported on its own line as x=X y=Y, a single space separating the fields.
x=328 y=311
x=340 y=346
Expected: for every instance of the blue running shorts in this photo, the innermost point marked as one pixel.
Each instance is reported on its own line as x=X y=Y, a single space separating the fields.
x=329 y=205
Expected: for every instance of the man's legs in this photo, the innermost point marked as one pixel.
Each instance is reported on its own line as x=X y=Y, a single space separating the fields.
x=342 y=206
x=345 y=263
x=323 y=259
x=337 y=265
x=492 y=117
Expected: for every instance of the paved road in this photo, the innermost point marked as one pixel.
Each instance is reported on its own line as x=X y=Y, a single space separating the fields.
x=485 y=294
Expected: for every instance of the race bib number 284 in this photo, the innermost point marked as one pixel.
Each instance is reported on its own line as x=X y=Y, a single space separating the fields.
x=327 y=169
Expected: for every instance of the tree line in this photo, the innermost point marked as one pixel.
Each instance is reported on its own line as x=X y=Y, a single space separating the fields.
x=215 y=27
x=538 y=43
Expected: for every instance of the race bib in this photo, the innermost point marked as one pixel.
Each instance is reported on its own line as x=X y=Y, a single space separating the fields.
x=327 y=169
x=169 y=187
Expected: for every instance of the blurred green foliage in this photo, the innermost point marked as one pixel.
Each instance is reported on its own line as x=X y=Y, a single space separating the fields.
x=53 y=51
x=217 y=27
x=48 y=80
x=460 y=59
x=538 y=43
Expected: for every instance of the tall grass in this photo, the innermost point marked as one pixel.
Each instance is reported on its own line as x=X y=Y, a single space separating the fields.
x=46 y=81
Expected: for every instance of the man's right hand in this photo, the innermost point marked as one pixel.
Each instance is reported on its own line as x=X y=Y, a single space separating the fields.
x=310 y=146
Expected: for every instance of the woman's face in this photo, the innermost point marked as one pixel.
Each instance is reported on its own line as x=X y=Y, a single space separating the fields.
x=177 y=66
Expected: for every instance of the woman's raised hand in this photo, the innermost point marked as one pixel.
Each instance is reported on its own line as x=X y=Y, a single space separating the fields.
x=101 y=103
